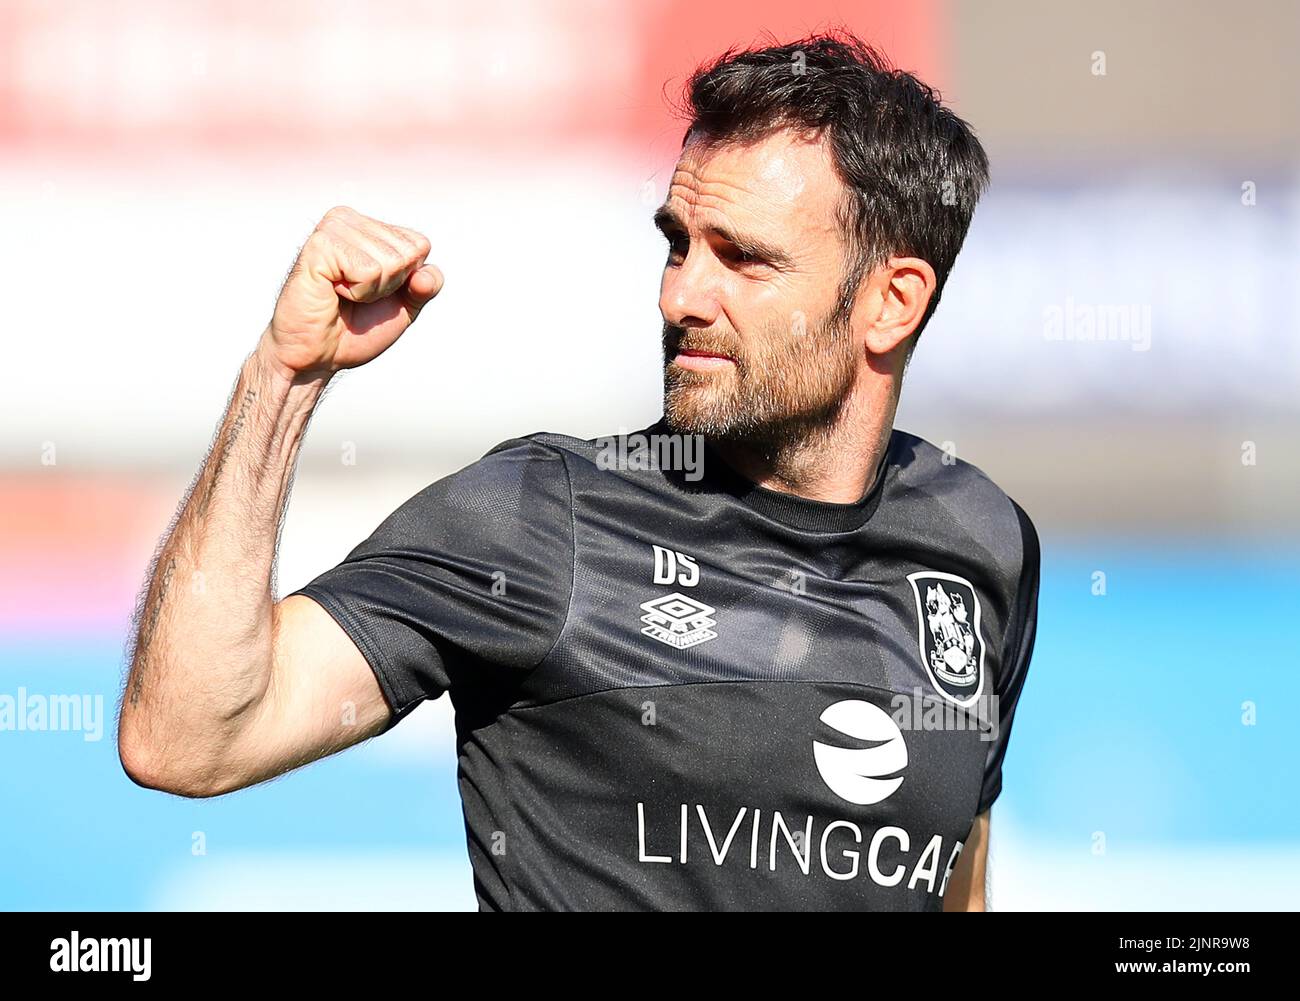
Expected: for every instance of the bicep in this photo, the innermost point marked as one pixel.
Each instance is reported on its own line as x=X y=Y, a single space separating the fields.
x=965 y=890
x=322 y=697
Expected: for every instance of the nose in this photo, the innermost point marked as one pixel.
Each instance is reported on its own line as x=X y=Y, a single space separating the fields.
x=690 y=294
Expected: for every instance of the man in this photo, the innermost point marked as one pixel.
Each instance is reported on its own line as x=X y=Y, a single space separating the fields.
x=782 y=677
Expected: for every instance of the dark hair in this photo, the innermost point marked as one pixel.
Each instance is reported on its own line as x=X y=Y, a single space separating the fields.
x=912 y=170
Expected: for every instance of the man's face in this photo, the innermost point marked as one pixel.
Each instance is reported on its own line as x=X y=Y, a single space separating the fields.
x=753 y=347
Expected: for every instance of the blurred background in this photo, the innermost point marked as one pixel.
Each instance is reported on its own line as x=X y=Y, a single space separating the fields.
x=1118 y=347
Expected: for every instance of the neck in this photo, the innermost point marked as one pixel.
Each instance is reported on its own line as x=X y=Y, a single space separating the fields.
x=835 y=463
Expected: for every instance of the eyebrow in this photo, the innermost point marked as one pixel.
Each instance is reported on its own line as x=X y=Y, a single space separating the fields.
x=667 y=223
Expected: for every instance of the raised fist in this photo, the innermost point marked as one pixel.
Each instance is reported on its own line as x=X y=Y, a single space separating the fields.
x=357 y=284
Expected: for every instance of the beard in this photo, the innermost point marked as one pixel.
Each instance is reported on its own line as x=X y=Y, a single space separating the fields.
x=783 y=387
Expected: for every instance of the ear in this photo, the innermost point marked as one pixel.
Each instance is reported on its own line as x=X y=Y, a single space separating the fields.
x=906 y=285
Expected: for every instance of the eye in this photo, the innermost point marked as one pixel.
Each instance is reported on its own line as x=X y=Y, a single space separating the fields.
x=742 y=256
x=678 y=245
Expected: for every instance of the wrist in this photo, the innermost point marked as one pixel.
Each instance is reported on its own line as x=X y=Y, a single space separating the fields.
x=284 y=381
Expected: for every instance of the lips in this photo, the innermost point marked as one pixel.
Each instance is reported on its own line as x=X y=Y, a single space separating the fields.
x=700 y=353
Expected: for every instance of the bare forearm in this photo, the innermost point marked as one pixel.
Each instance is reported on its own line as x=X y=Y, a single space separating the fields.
x=202 y=653
x=967 y=885
x=224 y=684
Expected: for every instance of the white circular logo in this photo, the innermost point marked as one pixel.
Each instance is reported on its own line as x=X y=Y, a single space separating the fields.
x=861 y=775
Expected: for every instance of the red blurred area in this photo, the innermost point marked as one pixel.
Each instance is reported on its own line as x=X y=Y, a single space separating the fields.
x=74 y=548
x=230 y=77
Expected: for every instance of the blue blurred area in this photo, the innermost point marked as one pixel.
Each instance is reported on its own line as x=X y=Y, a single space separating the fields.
x=1131 y=723
x=1132 y=717
x=86 y=837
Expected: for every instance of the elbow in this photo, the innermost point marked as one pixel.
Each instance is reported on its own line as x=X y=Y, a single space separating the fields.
x=147 y=765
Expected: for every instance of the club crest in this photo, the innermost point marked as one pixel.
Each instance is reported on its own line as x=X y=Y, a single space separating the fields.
x=948 y=632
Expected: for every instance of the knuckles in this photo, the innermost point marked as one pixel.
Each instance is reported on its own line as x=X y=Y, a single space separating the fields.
x=368 y=250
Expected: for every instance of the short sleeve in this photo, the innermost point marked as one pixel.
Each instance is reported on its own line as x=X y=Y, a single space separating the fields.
x=1018 y=651
x=474 y=572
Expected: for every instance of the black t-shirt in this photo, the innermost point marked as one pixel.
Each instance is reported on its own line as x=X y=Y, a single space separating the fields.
x=677 y=690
